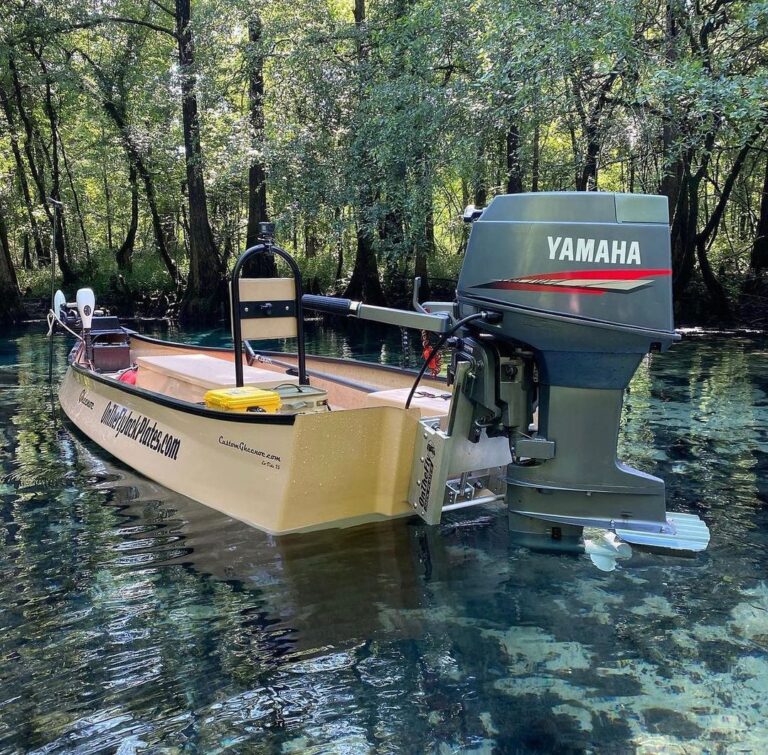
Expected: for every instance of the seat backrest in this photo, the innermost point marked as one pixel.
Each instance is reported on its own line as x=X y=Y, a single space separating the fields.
x=267 y=308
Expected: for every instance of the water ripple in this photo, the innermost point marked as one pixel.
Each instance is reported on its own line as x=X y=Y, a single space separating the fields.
x=134 y=620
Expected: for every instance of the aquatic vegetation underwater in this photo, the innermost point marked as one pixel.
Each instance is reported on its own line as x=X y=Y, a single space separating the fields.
x=136 y=620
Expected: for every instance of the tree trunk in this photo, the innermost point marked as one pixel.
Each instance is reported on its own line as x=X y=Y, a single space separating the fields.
x=262 y=266
x=10 y=300
x=424 y=246
x=683 y=234
x=257 y=186
x=80 y=219
x=68 y=277
x=311 y=240
x=365 y=283
x=592 y=120
x=706 y=237
x=536 y=159
x=514 y=166
x=115 y=112
x=420 y=268
x=124 y=255
x=27 y=254
x=41 y=255
x=204 y=292
x=676 y=182
x=108 y=206
x=715 y=289
x=479 y=184
x=339 y=244
x=588 y=178
x=29 y=134
x=758 y=260
x=28 y=131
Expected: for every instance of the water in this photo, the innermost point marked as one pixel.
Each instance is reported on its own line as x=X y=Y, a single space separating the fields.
x=134 y=620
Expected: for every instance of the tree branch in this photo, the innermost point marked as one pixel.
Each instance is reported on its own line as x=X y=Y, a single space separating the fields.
x=163 y=8
x=99 y=20
x=717 y=214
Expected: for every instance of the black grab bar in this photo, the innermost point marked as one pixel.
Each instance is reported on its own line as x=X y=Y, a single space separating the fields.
x=266 y=247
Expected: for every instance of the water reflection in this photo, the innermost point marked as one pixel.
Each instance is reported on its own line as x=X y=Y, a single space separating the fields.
x=139 y=621
x=355 y=340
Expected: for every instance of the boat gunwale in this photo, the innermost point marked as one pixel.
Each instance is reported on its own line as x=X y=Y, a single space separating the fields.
x=202 y=411
x=185 y=406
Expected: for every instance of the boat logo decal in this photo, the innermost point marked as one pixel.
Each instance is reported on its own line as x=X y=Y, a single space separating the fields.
x=595 y=282
x=426 y=480
x=141 y=429
x=583 y=250
x=84 y=400
x=267 y=459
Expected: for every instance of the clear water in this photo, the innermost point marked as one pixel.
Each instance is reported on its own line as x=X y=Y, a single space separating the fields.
x=134 y=620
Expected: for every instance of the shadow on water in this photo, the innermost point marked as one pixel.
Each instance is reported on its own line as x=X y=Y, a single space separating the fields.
x=137 y=620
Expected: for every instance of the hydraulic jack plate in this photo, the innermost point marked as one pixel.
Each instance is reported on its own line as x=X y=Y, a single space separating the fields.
x=429 y=473
x=450 y=472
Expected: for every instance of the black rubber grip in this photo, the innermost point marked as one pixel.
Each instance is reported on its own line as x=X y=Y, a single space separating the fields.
x=329 y=304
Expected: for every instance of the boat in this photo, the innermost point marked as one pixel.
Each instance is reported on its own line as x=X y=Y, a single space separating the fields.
x=559 y=299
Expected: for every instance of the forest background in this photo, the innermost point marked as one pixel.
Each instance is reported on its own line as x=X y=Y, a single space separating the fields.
x=362 y=128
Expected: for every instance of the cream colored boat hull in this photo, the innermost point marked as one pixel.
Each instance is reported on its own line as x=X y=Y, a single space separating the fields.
x=278 y=473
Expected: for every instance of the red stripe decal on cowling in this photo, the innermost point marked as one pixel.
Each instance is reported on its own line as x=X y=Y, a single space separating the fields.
x=593 y=282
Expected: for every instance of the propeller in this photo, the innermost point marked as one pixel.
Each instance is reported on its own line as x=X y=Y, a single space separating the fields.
x=606 y=551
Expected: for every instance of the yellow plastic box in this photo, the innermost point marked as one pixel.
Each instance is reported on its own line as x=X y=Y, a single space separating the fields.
x=243 y=399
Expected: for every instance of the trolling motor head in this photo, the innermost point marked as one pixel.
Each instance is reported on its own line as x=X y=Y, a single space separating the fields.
x=86 y=304
x=59 y=306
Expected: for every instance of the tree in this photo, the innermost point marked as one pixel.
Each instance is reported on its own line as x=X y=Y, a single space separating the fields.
x=363 y=136
x=364 y=283
x=112 y=92
x=263 y=265
x=10 y=300
x=40 y=254
x=203 y=294
x=758 y=260
x=711 y=87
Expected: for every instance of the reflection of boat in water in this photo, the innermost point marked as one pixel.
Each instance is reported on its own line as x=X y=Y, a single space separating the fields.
x=560 y=297
x=322 y=588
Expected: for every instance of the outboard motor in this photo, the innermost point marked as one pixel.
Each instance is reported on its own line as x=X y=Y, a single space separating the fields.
x=583 y=285
x=560 y=297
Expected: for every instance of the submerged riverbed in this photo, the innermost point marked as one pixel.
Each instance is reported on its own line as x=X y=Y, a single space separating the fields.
x=135 y=620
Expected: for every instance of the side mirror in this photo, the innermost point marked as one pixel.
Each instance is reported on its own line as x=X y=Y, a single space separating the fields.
x=86 y=303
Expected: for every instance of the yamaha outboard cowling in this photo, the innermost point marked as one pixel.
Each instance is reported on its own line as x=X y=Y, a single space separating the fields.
x=584 y=281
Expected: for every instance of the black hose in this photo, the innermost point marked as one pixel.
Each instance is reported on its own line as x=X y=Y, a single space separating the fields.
x=443 y=338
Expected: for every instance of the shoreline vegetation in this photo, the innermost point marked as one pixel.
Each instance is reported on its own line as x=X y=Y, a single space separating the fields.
x=141 y=144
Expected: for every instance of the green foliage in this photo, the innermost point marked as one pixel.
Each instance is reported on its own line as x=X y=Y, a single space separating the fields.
x=394 y=122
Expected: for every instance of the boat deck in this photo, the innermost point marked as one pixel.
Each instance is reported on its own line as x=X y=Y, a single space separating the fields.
x=186 y=373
